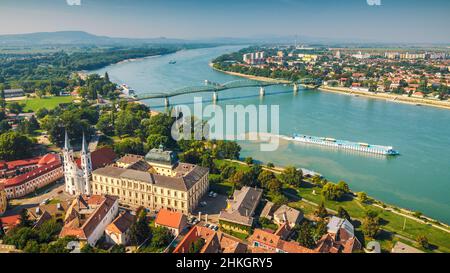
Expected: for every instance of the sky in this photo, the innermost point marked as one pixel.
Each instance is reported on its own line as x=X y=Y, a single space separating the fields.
x=368 y=20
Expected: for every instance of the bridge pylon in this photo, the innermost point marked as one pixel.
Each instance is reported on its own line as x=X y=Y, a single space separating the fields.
x=262 y=91
x=295 y=88
x=215 y=97
x=166 y=102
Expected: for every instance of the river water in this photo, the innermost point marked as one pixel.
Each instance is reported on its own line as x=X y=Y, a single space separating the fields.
x=418 y=179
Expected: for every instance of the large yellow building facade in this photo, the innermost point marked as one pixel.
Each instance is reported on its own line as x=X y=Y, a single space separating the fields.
x=155 y=181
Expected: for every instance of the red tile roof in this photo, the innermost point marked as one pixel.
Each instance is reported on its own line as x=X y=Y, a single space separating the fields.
x=10 y=221
x=274 y=242
x=169 y=218
x=55 y=162
x=11 y=165
x=211 y=245
x=100 y=158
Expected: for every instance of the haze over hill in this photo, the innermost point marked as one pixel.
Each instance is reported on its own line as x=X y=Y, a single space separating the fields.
x=85 y=38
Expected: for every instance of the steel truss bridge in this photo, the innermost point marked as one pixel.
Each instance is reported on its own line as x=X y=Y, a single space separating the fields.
x=215 y=88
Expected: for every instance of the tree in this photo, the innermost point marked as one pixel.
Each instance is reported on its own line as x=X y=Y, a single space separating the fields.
x=227 y=171
x=24 y=219
x=370 y=224
x=335 y=192
x=362 y=196
x=320 y=230
x=129 y=145
x=305 y=235
x=140 y=230
x=279 y=199
x=270 y=165
x=274 y=185
x=14 y=146
x=292 y=176
x=264 y=177
x=342 y=213
x=241 y=178
x=4 y=126
x=161 y=237
x=2 y=98
x=105 y=124
x=321 y=211
x=422 y=240
x=248 y=160
x=227 y=149
x=15 y=108
x=157 y=140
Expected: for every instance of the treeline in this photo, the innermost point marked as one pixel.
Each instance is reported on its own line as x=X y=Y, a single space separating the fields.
x=37 y=71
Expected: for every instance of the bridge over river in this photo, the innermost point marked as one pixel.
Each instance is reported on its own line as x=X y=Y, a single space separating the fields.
x=215 y=88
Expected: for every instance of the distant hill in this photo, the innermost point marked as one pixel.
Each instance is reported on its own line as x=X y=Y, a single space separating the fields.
x=73 y=38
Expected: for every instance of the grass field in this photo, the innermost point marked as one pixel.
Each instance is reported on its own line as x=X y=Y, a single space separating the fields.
x=34 y=104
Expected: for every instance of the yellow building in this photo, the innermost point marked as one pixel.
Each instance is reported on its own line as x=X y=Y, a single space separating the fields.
x=155 y=181
x=3 y=201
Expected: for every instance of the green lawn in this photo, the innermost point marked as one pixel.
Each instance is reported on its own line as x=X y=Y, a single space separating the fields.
x=390 y=221
x=33 y=104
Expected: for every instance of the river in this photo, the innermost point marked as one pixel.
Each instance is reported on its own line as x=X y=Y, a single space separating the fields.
x=418 y=179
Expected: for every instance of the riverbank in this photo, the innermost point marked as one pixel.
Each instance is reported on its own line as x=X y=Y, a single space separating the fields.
x=348 y=91
x=250 y=77
x=388 y=97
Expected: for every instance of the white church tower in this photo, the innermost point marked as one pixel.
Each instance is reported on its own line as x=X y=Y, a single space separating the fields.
x=86 y=167
x=77 y=179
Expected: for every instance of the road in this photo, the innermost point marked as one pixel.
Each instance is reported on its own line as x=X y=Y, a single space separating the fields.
x=56 y=191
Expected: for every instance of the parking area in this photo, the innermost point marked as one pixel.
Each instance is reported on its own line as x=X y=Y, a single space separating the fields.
x=212 y=207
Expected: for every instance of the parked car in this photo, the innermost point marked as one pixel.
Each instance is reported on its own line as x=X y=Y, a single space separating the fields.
x=203 y=203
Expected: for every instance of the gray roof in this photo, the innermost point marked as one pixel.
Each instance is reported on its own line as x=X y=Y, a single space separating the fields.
x=293 y=216
x=13 y=90
x=337 y=223
x=183 y=183
x=161 y=156
x=242 y=206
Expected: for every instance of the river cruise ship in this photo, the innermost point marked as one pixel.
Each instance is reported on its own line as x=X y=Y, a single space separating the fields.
x=348 y=145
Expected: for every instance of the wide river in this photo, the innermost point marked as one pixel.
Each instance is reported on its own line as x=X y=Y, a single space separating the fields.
x=418 y=179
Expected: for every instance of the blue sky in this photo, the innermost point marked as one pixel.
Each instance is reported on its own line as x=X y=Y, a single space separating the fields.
x=392 y=21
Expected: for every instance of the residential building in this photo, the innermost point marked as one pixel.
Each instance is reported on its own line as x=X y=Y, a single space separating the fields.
x=166 y=183
x=118 y=232
x=238 y=216
x=14 y=93
x=77 y=172
x=3 y=200
x=340 y=237
x=45 y=212
x=210 y=241
x=48 y=170
x=208 y=238
x=287 y=215
x=174 y=221
x=88 y=216
x=262 y=241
